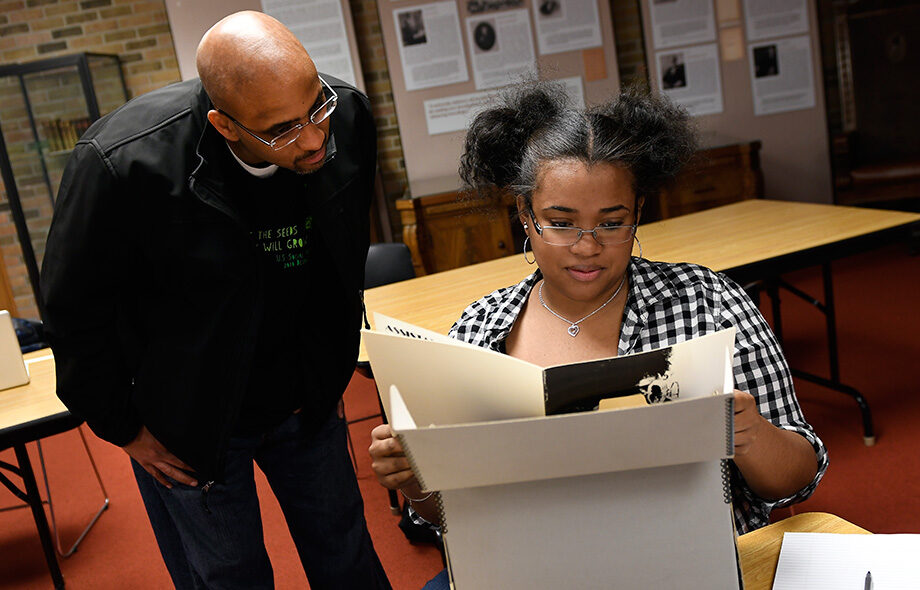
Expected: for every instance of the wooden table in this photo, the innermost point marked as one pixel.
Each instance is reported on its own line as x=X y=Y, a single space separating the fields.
x=31 y=412
x=749 y=240
x=759 y=550
x=29 y=406
x=739 y=239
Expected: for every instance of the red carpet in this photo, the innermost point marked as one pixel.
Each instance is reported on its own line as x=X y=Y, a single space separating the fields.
x=120 y=551
x=878 y=319
x=877 y=488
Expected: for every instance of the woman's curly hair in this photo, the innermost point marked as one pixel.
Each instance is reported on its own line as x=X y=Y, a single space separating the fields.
x=536 y=124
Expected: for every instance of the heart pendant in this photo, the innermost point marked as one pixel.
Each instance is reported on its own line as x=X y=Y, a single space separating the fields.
x=573 y=330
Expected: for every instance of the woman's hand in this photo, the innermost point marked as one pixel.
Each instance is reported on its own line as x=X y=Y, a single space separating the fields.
x=388 y=459
x=393 y=471
x=775 y=462
x=748 y=422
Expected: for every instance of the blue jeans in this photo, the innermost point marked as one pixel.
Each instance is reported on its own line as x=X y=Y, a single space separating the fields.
x=213 y=538
x=439 y=582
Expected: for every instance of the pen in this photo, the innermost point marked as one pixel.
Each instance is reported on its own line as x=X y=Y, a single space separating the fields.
x=868 y=585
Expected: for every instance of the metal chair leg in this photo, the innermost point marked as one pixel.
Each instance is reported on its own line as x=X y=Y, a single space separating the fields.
x=105 y=495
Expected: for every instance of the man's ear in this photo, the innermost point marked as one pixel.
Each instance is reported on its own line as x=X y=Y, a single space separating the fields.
x=221 y=122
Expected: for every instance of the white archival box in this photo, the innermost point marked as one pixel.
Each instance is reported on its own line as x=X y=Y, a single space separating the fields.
x=634 y=498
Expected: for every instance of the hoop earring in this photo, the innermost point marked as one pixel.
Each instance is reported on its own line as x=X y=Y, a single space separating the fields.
x=635 y=237
x=527 y=239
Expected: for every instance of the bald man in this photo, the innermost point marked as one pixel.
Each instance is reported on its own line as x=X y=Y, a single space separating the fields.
x=202 y=292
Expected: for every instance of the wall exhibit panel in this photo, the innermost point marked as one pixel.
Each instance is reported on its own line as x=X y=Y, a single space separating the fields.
x=432 y=159
x=795 y=154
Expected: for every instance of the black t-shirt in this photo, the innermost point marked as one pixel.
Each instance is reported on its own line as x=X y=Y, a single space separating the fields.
x=277 y=210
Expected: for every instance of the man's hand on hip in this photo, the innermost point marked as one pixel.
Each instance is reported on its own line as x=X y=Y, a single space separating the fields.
x=157 y=460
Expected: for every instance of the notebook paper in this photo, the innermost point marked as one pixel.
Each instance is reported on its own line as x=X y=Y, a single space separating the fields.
x=827 y=561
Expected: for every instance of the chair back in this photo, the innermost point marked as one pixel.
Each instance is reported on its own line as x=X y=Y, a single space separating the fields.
x=387 y=263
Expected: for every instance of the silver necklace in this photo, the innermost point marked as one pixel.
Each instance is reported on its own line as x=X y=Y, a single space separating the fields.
x=573 y=327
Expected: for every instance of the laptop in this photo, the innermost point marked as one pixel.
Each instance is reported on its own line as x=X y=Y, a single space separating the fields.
x=12 y=368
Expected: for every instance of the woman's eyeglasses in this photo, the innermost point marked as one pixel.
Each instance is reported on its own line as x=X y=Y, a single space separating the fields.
x=569 y=236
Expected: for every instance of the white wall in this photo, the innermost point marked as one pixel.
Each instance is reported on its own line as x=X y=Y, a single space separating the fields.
x=190 y=19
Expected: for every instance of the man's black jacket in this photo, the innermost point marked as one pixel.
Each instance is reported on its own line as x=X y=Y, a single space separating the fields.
x=151 y=286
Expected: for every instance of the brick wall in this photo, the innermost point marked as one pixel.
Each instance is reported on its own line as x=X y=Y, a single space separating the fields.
x=135 y=30
x=377 y=85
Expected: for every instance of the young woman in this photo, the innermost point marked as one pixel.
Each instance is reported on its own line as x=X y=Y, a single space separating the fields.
x=581 y=178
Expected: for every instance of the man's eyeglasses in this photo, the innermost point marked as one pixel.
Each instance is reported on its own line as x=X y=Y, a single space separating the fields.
x=289 y=136
x=569 y=236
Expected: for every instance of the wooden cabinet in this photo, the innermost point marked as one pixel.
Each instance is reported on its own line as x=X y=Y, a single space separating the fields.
x=445 y=231
x=716 y=176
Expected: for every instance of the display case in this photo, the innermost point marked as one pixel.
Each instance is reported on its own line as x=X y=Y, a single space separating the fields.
x=44 y=108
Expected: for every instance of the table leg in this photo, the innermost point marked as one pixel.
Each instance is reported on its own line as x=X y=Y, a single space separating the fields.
x=913 y=240
x=38 y=513
x=866 y=413
x=830 y=315
x=773 y=294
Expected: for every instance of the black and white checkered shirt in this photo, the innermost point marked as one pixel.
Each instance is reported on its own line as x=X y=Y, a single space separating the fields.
x=671 y=303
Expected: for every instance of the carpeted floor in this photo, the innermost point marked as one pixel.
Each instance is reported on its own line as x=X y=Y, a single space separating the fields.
x=878 y=311
x=877 y=488
x=120 y=551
